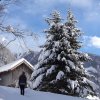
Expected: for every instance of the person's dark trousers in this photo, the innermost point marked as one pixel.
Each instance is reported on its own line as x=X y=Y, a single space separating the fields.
x=22 y=89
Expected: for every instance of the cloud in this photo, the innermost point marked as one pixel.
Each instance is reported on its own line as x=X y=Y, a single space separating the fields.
x=28 y=44
x=18 y=43
x=40 y=6
x=44 y=7
x=81 y=3
x=16 y=21
x=2 y=39
x=95 y=41
x=91 y=41
x=17 y=46
x=35 y=9
x=92 y=16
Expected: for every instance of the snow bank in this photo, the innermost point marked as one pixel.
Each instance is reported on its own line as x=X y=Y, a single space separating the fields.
x=7 y=93
x=93 y=98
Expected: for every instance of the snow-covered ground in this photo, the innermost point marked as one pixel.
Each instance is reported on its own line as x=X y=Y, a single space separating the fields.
x=7 y=93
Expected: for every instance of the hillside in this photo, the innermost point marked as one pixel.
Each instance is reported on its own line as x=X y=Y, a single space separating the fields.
x=94 y=62
x=93 y=67
x=32 y=57
x=7 y=93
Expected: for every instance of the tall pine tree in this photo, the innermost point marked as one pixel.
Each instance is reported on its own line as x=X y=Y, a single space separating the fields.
x=60 y=67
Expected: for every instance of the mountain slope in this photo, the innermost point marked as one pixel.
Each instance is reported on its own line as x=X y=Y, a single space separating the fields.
x=94 y=62
x=7 y=93
x=5 y=56
x=32 y=57
x=93 y=67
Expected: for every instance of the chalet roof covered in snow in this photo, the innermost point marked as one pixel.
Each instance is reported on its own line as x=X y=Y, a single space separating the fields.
x=14 y=65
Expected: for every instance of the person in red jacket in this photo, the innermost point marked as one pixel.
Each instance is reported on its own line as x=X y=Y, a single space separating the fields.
x=22 y=83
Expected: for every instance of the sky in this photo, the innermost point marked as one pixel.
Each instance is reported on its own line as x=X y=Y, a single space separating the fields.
x=31 y=15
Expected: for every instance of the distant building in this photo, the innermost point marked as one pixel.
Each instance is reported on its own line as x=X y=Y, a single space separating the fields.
x=9 y=74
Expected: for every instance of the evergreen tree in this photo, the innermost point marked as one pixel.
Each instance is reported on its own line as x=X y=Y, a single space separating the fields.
x=60 y=67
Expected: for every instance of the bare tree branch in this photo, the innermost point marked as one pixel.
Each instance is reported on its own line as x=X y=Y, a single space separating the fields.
x=16 y=32
x=4 y=46
x=10 y=42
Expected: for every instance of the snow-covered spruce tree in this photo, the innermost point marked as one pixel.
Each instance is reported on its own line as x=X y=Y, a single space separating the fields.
x=83 y=85
x=60 y=67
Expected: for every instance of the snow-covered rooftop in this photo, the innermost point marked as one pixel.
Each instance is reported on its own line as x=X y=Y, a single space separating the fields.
x=15 y=64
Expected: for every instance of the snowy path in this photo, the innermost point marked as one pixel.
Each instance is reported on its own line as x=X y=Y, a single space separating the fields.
x=7 y=93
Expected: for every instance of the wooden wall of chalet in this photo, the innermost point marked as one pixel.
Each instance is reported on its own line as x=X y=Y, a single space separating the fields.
x=10 y=78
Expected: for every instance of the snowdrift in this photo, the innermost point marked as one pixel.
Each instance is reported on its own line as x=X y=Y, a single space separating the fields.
x=8 y=93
